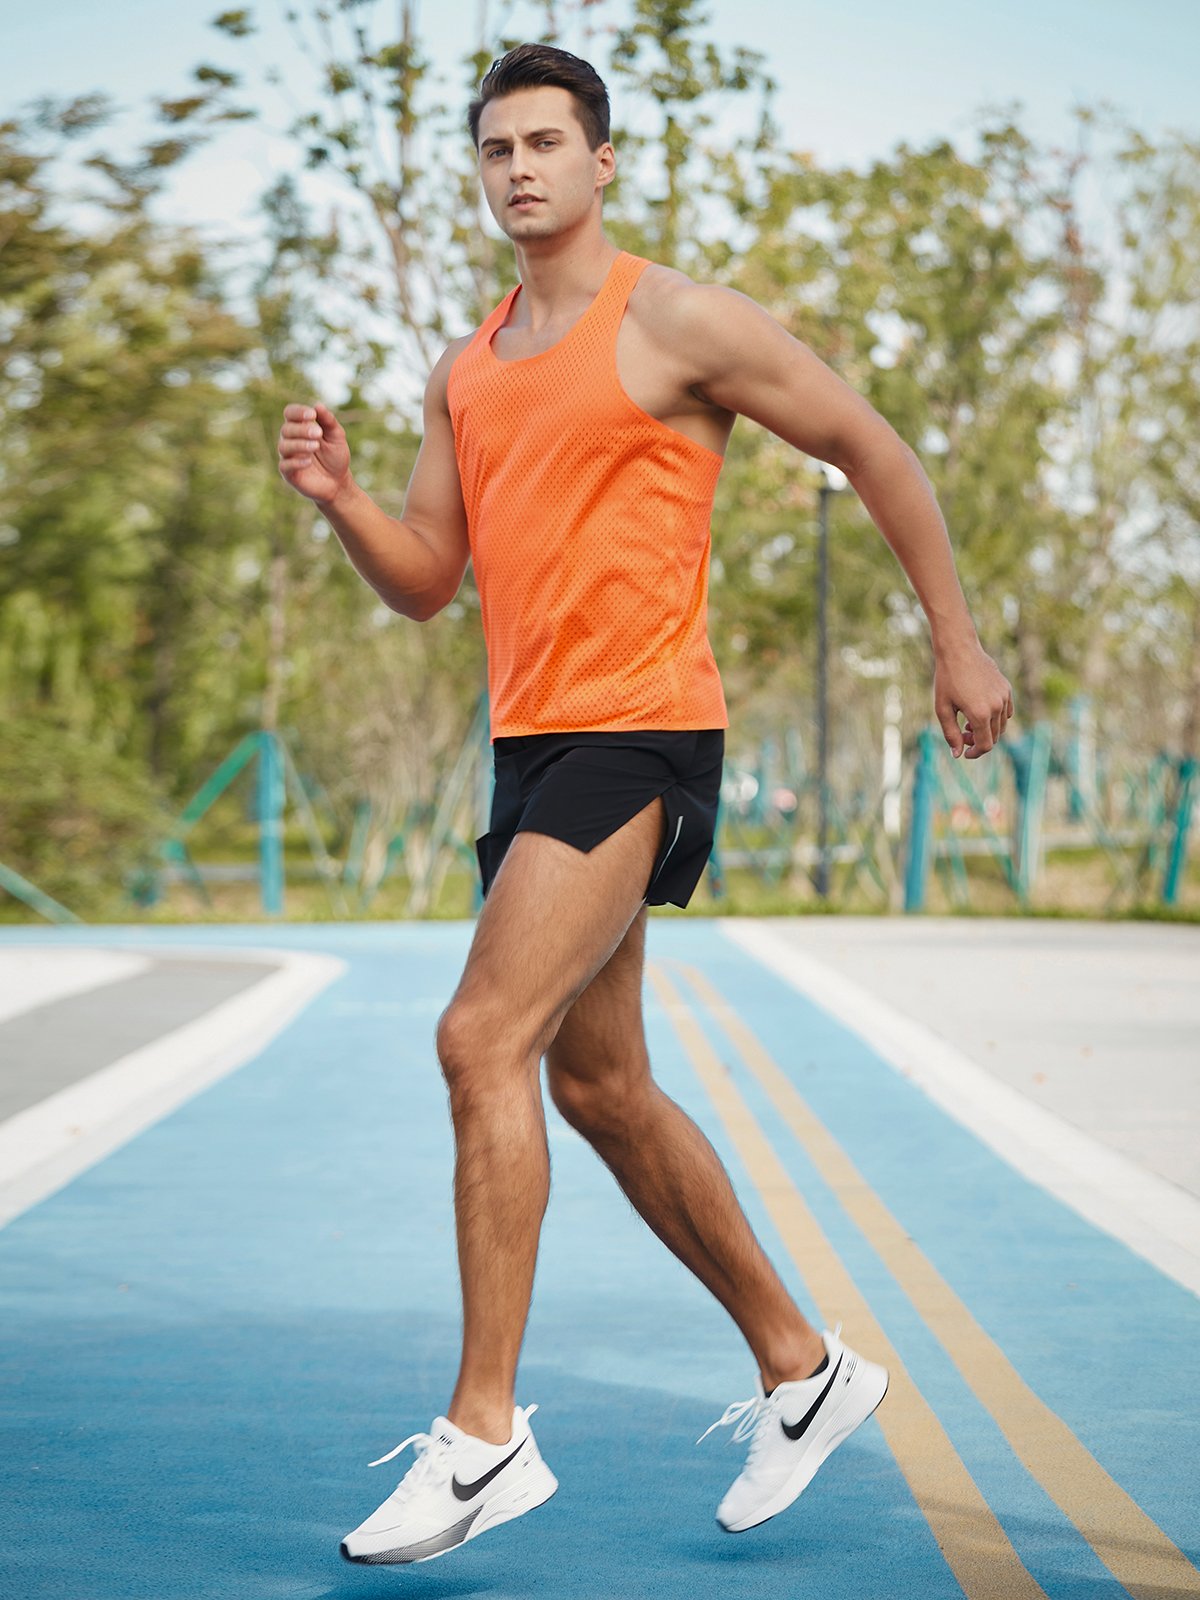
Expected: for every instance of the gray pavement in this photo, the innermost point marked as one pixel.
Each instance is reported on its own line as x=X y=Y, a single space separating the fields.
x=1097 y=1022
x=67 y=1038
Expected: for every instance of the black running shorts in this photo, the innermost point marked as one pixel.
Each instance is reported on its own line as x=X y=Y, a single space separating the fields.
x=580 y=787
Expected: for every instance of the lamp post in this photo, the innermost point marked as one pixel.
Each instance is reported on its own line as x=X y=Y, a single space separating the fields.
x=832 y=482
x=885 y=667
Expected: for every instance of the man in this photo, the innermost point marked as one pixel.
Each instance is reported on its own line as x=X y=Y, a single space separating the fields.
x=572 y=445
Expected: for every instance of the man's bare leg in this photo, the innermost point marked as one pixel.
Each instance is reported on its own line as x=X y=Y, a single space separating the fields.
x=552 y=919
x=599 y=1076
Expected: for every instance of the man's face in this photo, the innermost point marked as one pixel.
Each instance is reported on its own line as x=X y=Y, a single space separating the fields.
x=531 y=142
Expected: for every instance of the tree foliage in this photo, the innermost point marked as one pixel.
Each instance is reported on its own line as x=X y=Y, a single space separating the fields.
x=162 y=591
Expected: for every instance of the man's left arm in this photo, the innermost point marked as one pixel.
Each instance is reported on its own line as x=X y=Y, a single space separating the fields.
x=748 y=362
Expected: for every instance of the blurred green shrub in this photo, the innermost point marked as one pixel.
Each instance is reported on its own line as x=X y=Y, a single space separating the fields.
x=80 y=821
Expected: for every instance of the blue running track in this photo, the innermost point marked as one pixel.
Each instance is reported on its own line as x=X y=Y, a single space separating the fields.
x=206 y=1336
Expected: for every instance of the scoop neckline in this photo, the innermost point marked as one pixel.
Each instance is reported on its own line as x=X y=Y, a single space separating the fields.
x=520 y=361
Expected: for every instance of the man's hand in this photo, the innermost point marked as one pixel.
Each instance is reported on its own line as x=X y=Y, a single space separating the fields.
x=314 y=456
x=966 y=679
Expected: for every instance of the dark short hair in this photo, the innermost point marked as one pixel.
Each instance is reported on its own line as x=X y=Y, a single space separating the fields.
x=530 y=66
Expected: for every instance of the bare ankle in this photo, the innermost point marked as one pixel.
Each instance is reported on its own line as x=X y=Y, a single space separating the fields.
x=489 y=1422
x=791 y=1365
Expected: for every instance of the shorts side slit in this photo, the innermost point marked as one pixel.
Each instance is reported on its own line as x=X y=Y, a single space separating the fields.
x=581 y=789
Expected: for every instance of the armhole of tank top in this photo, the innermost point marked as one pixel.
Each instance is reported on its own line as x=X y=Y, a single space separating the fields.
x=450 y=379
x=637 y=266
x=481 y=334
x=623 y=283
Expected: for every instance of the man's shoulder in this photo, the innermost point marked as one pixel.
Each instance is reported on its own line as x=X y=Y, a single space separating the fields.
x=439 y=377
x=673 y=305
x=455 y=348
x=663 y=285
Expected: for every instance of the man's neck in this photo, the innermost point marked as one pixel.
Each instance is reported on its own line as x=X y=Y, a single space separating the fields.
x=556 y=282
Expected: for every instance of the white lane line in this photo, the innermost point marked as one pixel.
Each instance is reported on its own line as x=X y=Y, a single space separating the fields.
x=1154 y=1217
x=46 y=1145
x=33 y=976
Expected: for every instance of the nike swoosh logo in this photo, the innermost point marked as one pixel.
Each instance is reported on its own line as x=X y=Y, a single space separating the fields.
x=468 y=1491
x=794 y=1430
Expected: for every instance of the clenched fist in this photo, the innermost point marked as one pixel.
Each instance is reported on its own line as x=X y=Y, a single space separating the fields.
x=313 y=454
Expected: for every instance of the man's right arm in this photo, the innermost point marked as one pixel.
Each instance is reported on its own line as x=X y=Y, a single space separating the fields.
x=415 y=562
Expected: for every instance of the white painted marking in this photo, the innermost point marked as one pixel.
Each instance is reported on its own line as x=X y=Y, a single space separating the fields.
x=31 y=976
x=46 y=1145
x=670 y=847
x=1152 y=1216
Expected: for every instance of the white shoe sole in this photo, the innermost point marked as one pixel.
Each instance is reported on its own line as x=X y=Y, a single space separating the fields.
x=853 y=1410
x=531 y=1490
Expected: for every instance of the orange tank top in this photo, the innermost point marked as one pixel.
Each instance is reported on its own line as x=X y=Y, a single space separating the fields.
x=589 y=524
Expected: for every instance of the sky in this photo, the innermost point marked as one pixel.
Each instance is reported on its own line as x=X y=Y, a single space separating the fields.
x=854 y=80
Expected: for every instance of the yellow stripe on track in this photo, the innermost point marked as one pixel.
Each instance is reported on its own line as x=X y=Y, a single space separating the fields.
x=1129 y=1542
x=975 y=1546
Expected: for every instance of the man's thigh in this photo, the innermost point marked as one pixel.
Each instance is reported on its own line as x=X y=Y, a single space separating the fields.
x=553 y=917
x=601 y=1041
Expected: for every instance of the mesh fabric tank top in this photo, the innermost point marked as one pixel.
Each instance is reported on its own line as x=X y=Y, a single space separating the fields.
x=589 y=523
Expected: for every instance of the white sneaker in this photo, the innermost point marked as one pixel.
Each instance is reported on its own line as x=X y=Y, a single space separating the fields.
x=458 y=1487
x=793 y=1429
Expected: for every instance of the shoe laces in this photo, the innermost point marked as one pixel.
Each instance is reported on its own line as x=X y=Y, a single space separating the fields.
x=431 y=1450
x=745 y=1413
x=748 y=1415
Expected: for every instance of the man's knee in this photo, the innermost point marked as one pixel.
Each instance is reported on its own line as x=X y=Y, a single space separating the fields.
x=605 y=1104
x=461 y=1045
x=480 y=1049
